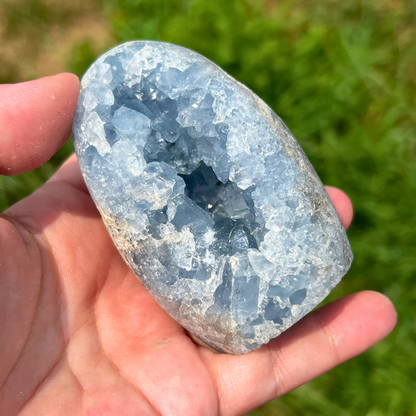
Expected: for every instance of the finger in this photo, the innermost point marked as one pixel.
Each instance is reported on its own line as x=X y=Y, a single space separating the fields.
x=70 y=173
x=342 y=204
x=322 y=340
x=35 y=120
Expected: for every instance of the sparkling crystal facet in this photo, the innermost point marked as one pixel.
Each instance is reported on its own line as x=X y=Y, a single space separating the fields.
x=206 y=194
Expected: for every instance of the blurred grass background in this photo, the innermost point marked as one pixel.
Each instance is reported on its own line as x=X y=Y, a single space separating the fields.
x=342 y=75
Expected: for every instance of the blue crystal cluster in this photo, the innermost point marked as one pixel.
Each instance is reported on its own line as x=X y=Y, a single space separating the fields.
x=206 y=194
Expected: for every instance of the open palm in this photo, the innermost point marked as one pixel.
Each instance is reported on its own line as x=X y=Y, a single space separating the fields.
x=79 y=335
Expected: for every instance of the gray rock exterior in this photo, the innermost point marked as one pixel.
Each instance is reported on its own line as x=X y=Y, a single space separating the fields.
x=206 y=194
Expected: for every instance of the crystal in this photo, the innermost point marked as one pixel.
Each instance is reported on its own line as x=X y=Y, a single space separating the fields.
x=206 y=194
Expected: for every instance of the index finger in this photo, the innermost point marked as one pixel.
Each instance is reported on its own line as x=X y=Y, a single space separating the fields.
x=321 y=340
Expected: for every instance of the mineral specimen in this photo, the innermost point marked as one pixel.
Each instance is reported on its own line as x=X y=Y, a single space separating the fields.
x=206 y=194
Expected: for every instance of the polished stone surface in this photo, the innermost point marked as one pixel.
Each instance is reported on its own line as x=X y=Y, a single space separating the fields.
x=206 y=194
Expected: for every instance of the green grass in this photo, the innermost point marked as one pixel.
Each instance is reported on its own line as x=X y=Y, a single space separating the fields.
x=342 y=75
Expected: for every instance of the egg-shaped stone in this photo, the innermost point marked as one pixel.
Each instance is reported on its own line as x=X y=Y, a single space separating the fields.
x=206 y=194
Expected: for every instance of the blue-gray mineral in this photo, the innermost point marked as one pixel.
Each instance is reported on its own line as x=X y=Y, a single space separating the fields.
x=206 y=194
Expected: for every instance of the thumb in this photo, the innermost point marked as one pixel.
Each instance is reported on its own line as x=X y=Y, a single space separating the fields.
x=35 y=120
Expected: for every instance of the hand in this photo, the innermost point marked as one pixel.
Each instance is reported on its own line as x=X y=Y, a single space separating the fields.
x=79 y=335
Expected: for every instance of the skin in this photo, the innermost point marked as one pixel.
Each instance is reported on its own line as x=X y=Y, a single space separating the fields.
x=79 y=335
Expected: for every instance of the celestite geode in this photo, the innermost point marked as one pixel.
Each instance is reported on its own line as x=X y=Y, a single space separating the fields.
x=206 y=194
